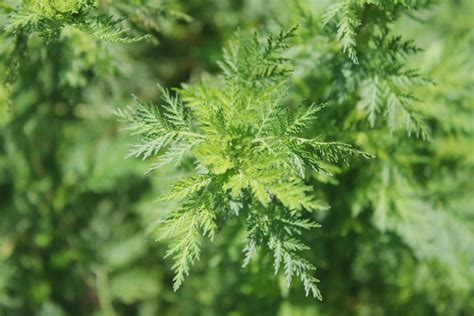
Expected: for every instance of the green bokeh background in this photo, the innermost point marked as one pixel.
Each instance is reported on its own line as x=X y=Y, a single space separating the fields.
x=76 y=219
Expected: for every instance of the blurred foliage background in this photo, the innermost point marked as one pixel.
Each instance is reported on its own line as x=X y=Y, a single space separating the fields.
x=76 y=225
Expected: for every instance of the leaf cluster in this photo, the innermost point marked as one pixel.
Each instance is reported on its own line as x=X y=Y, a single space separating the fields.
x=250 y=160
x=47 y=18
x=379 y=74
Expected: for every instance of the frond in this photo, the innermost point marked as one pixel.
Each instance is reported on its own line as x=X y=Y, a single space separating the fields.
x=294 y=195
x=175 y=153
x=183 y=228
x=107 y=28
x=23 y=20
x=348 y=22
x=303 y=120
x=187 y=187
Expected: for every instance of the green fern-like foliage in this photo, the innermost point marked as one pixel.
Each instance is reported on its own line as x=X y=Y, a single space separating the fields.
x=383 y=81
x=47 y=18
x=353 y=17
x=250 y=158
